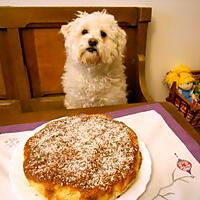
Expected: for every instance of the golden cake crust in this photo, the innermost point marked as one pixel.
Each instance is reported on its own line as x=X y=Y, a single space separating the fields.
x=84 y=157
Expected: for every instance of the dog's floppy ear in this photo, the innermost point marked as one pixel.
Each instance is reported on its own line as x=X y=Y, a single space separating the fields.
x=121 y=41
x=65 y=29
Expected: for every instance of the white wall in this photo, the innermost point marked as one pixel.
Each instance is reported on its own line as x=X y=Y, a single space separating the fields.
x=173 y=35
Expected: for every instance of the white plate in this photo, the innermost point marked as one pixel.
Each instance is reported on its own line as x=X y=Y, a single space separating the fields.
x=25 y=192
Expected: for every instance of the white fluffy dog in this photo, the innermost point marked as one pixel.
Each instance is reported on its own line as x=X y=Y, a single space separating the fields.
x=94 y=71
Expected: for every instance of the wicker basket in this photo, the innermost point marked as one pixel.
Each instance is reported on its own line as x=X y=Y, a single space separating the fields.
x=189 y=110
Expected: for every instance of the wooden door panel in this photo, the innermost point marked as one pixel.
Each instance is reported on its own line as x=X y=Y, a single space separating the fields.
x=130 y=55
x=2 y=85
x=45 y=57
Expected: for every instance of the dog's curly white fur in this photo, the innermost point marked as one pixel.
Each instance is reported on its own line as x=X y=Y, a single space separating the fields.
x=94 y=71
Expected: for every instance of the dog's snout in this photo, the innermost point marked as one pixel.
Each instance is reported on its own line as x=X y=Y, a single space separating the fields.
x=92 y=42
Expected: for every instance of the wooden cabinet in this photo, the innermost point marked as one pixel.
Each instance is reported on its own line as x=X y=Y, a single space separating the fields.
x=32 y=55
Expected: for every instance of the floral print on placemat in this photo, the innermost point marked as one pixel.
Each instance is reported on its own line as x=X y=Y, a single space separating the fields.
x=183 y=165
x=11 y=142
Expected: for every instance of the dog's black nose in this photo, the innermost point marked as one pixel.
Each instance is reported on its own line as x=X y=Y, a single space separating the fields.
x=92 y=42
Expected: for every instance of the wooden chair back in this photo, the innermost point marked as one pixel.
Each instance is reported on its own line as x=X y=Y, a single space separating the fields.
x=32 y=54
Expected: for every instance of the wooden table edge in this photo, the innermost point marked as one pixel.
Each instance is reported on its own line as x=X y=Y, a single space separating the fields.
x=29 y=117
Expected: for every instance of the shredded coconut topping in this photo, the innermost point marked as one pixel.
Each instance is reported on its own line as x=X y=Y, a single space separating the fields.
x=83 y=151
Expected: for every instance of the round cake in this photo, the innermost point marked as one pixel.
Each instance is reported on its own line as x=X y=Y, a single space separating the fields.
x=84 y=157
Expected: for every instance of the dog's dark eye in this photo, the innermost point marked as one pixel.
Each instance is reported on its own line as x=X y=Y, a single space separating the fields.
x=84 y=31
x=103 y=34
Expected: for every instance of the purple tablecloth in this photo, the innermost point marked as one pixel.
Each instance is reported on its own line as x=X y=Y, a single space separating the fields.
x=190 y=143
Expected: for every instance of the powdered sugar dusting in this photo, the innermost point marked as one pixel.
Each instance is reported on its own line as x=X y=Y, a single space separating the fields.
x=85 y=151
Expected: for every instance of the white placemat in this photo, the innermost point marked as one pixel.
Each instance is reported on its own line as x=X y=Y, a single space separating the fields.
x=175 y=172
